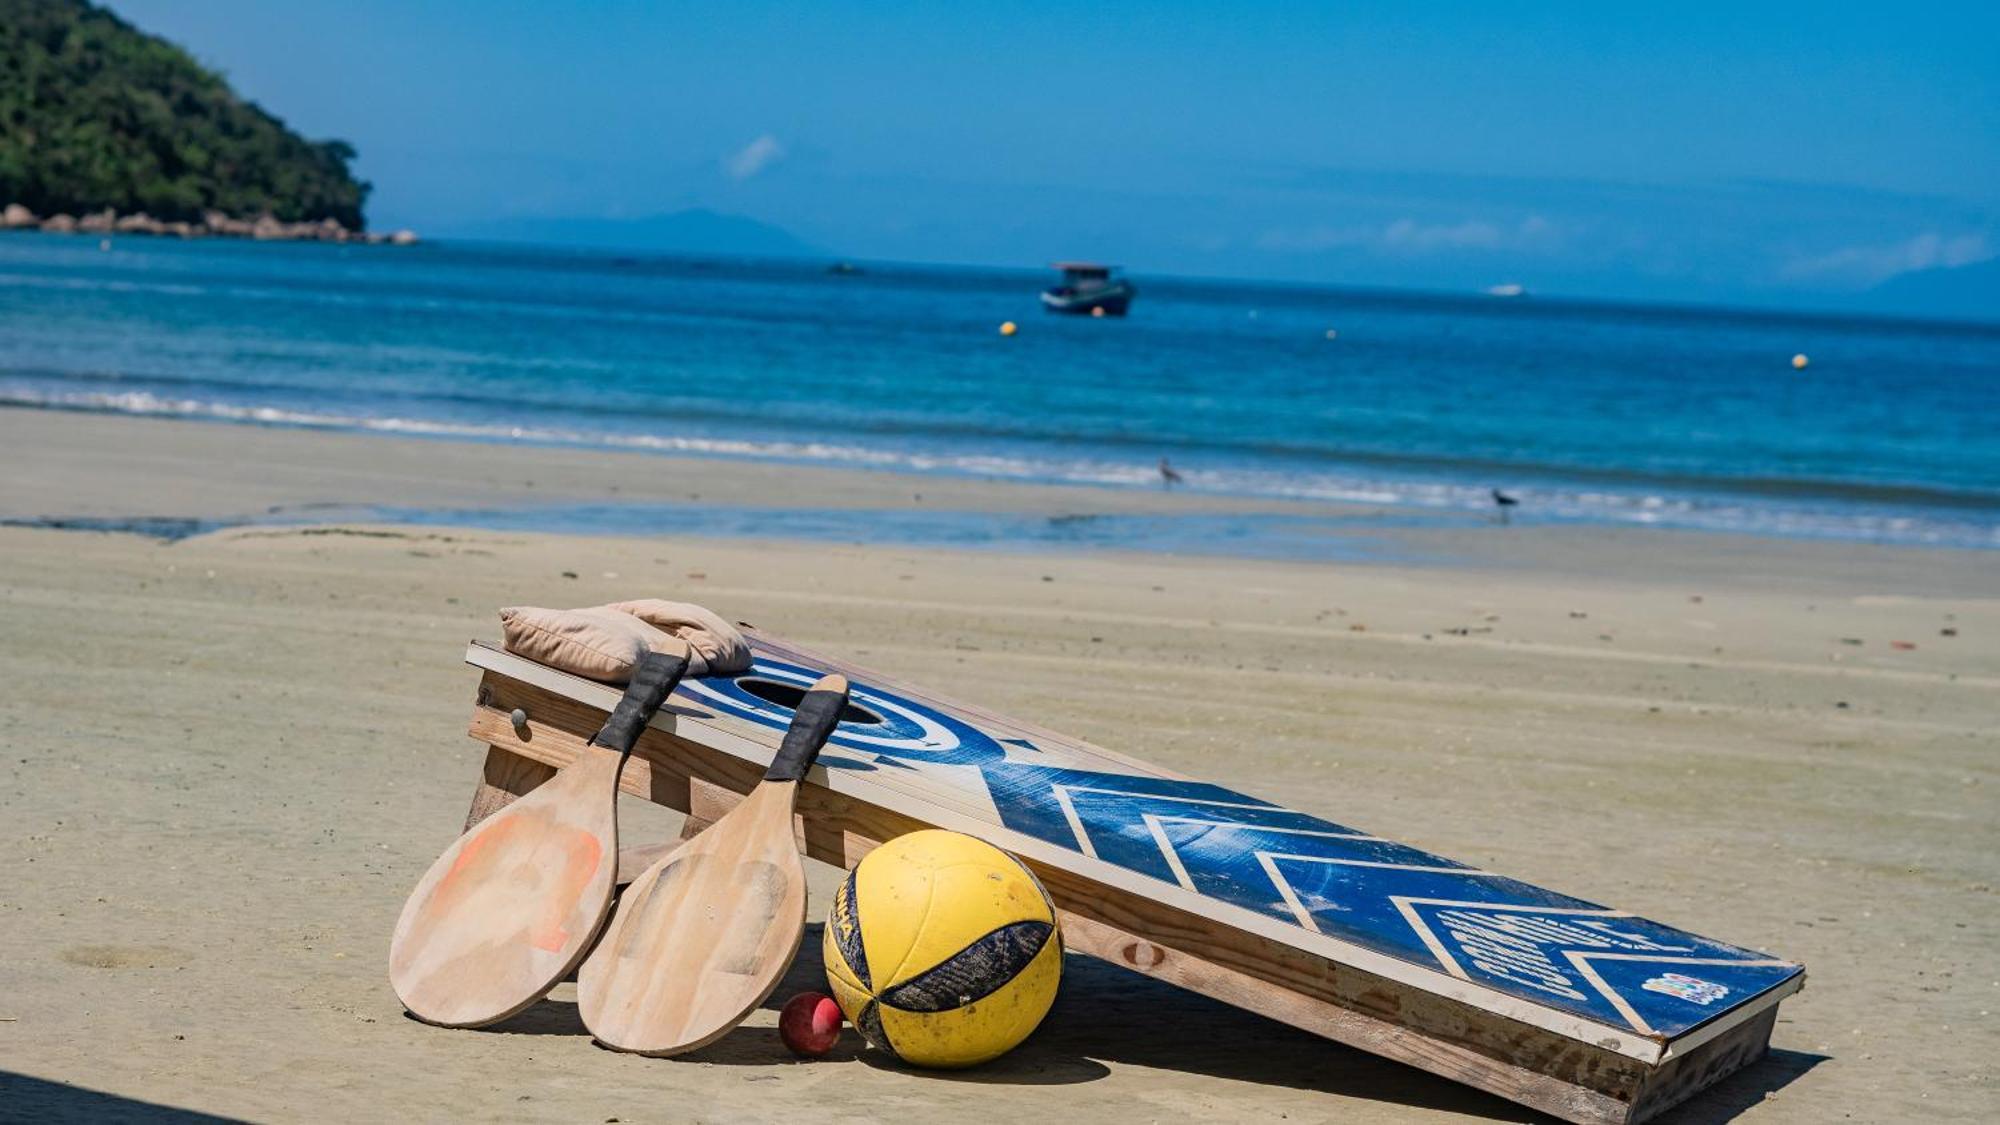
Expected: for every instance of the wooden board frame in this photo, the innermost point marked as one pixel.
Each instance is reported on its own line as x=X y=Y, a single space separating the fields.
x=699 y=761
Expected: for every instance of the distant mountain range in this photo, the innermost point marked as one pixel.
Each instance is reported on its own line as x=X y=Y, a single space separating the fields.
x=692 y=231
x=1957 y=292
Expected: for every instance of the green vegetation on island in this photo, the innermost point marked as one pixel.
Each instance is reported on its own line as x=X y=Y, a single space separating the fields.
x=96 y=114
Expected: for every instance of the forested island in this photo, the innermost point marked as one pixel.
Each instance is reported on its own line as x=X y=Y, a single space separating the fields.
x=105 y=128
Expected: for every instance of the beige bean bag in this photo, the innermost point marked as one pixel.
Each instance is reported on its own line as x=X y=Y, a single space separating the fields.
x=606 y=642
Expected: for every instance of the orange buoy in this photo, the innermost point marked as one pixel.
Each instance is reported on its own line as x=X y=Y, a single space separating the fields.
x=1008 y=328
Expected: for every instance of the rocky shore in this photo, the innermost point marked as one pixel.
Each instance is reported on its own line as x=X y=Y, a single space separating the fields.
x=213 y=224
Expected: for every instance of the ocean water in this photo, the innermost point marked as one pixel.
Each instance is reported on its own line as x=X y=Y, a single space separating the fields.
x=1596 y=413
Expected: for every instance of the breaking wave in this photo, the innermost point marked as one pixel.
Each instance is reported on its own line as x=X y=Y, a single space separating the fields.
x=1956 y=522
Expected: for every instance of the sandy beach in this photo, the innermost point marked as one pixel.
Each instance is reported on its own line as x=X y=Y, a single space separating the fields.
x=228 y=757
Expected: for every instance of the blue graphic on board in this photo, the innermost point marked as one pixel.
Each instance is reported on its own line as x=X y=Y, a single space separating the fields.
x=1391 y=898
x=904 y=730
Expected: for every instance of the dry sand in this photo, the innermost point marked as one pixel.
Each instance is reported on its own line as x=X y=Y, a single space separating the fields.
x=226 y=760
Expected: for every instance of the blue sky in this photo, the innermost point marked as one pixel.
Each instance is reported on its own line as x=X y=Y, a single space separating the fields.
x=1700 y=152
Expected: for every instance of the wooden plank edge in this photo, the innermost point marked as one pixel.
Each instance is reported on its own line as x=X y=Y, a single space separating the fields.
x=504 y=777
x=1696 y=1070
x=1695 y=1037
x=1559 y=1097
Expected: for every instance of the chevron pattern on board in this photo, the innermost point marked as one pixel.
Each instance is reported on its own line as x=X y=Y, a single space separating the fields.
x=1606 y=965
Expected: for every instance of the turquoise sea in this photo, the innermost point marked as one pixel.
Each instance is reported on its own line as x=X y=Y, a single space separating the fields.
x=1610 y=414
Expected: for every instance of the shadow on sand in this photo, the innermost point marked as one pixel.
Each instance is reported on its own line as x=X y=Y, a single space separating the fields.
x=1106 y=1014
x=36 y=1099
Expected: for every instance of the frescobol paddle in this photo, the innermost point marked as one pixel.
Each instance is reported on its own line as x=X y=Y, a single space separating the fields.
x=703 y=936
x=510 y=908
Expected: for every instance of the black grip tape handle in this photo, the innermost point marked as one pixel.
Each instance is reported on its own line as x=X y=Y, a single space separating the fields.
x=652 y=682
x=813 y=721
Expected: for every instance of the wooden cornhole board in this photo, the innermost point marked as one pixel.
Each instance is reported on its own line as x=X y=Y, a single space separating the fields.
x=1589 y=1014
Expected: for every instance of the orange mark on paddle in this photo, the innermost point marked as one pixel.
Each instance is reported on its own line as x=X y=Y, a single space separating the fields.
x=580 y=863
x=481 y=873
x=472 y=866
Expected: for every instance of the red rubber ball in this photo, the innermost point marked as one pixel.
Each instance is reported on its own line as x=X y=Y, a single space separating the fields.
x=809 y=1024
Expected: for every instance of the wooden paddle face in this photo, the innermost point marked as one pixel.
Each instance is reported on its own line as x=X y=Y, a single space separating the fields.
x=511 y=906
x=703 y=936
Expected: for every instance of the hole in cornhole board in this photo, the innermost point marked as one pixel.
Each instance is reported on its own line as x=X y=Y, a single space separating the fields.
x=788 y=696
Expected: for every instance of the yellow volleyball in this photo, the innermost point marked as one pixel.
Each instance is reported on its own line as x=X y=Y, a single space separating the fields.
x=942 y=949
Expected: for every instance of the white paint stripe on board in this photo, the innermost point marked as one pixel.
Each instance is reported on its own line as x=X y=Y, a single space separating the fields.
x=1430 y=939
x=1064 y=799
x=1075 y=822
x=1407 y=904
x=1155 y=824
x=1237 y=824
x=1581 y=959
x=1159 y=832
x=1578 y=959
x=1269 y=862
x=1286 y=892
x=1184 y=800
x=1472 y=871
x=932 y=737
x=1617 y=998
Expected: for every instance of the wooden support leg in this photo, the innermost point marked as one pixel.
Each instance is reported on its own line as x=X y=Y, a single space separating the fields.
x=707 y=802
x=506 y=778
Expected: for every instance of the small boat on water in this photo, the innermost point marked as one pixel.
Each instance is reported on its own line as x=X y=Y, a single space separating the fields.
x=1088 y=289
